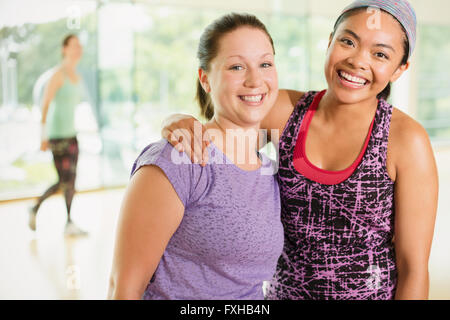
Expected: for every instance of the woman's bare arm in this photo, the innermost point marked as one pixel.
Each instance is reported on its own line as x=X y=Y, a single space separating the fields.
x=54 y=84
x=416 y=197
x=151 y=212
x=187 y=134
x=276 y=120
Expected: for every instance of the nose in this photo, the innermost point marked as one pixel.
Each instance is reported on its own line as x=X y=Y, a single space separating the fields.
x=253 y=78
x=358 y=60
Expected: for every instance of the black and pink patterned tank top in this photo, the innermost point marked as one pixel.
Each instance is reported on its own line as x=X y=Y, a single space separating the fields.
x=338 y=238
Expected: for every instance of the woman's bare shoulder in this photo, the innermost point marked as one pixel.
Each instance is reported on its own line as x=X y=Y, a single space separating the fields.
x=293 y=95
x=57 y=77
x=407 y=138
x=405 y=128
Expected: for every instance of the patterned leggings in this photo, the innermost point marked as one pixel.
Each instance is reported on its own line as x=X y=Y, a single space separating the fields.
x=65 y=158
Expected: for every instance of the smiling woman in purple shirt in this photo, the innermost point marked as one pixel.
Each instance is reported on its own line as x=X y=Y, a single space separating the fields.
x=192 y=232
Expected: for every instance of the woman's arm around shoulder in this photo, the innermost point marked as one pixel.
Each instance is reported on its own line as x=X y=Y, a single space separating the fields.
x=412 y=161
x=151 y=212
x=276 y=120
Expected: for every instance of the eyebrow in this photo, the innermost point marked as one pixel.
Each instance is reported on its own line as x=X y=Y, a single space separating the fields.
x=353 y=34
x=239 y=56
x=377 y=45
x=384 y=46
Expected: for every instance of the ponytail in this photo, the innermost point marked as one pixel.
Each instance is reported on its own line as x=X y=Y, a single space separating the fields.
x=204 y=102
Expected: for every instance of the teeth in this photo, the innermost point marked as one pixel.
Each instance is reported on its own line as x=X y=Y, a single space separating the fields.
x=351 y=78
x=252 y=98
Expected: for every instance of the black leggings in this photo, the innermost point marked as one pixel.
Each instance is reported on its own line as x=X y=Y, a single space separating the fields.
x=65 y=158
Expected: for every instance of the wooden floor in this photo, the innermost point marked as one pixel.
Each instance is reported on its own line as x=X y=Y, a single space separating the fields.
x=47 y=265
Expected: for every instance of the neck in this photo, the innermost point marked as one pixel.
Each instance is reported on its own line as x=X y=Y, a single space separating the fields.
x=70 y=65
x=332 y=109
x=235 y=141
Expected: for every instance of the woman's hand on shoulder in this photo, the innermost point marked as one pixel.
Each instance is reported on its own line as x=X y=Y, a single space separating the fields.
x=187 y=134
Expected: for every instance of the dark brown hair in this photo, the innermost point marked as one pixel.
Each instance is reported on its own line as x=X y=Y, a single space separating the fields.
x=387 y=91
x=66 y=40
x=209 y=46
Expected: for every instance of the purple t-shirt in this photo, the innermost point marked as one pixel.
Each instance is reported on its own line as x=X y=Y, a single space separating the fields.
x=230 y=237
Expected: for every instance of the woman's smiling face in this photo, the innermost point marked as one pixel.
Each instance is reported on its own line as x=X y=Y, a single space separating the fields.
x=363 y=59
x=242 y=79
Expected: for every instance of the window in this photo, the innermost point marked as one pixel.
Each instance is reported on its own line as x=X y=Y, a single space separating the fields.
x=433 y=80
x=140 y=65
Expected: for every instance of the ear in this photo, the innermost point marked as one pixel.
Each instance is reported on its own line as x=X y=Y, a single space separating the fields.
x=400 y=70
x=203 y=78
x=330 y=39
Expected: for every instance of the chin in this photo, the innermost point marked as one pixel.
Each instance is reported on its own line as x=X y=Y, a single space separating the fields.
x=348 y=97
x=353 y=96
x=251 y=120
